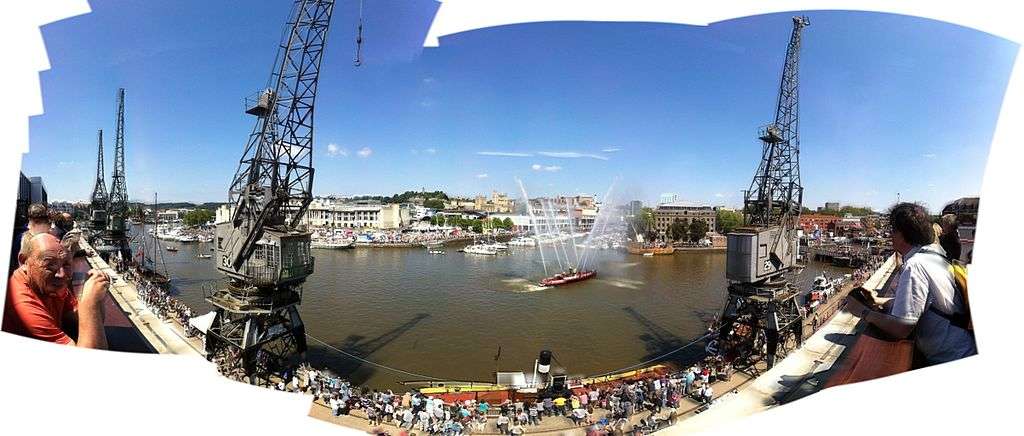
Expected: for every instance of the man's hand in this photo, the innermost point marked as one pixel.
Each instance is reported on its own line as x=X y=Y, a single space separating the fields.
x=95 y=288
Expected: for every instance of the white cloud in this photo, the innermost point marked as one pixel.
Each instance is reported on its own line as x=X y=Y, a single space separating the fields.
x=426 y=103
x=611 y=149
x=719 y=195
x=571 y=155
x=334 y=151
x=430 y=151
x=66 y=163
x=365 y=152
x=551 y=168
x=929 y=155
x=481 y=176
x=503 y=153
x=428 y=80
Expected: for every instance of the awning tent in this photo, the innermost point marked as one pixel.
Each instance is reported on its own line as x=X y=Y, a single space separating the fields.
x=203 y=322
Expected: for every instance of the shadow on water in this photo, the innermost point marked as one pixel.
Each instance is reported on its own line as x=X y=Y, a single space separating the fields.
x=707 y=317
x=659 y=341
x=352 y=369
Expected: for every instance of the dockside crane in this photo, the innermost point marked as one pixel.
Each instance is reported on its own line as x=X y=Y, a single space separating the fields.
x=116 y=234
x=260 y=245
x=762 y=319
x=99 y=199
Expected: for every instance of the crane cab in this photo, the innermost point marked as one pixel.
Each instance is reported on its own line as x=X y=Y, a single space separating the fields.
x=756 y=254
x=280 y=258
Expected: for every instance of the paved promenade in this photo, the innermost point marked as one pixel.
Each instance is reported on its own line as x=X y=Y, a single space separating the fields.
x=164 y=337
x=799 y=374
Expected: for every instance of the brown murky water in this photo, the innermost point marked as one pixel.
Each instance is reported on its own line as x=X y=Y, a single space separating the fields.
x=446 y=315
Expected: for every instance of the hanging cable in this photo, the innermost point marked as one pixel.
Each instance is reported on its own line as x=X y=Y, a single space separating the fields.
x=384 y=367
x=631 y=367
x=359 y=37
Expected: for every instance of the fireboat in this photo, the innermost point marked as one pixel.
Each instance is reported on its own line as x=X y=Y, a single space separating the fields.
x=572 y=276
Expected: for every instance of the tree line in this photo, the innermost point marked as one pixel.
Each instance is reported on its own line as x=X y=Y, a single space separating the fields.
x=476 y=225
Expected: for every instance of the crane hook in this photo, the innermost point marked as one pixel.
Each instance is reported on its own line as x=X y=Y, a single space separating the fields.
x=359 y=46
x=359 y=37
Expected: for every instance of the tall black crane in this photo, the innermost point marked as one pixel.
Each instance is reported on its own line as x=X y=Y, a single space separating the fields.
x=762 y=318
x=260 y=246
x=98 y=203
x=117 y=208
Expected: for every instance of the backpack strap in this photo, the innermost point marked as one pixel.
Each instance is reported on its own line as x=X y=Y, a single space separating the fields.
x=962 y=320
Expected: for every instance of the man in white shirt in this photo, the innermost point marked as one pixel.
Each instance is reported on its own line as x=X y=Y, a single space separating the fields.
x=336 y=406
x=926 y=304
x=709 y=393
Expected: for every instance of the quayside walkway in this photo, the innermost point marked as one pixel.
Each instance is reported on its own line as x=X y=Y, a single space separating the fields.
x=126 y=311
x=802 y=373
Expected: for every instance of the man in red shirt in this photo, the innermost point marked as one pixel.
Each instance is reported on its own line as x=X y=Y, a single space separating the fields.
x=40 y=305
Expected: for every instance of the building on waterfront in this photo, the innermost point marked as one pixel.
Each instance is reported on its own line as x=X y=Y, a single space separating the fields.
x=811 y=222
x=63 y=207
x=582 y=209
x=334 y=212
x=849 y=226
x=419 y=212
x=538 y=224
x=170 y=215
x=666 y=214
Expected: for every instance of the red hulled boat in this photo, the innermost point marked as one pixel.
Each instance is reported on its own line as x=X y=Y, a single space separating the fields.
x=566 y=278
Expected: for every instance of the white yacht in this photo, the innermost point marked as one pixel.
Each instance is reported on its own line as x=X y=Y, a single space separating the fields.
x=484 y=249
x=523 y=241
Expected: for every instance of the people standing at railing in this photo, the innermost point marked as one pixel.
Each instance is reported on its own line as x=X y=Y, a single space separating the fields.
x=927 y=305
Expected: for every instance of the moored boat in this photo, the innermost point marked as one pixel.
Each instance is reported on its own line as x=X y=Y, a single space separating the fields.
x=635 y=248
x=480 y=249
x=822 y=289
x=333 y=244
x=523 y=242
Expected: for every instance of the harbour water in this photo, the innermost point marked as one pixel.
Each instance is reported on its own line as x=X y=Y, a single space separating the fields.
x=445 y=316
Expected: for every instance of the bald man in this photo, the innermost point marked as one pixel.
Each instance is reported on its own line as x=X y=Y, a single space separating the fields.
x=40 y=304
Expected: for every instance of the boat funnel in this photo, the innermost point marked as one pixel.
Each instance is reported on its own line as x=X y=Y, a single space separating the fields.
x=544 y=362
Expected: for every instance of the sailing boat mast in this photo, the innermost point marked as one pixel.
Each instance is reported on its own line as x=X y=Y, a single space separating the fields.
x=156 y=244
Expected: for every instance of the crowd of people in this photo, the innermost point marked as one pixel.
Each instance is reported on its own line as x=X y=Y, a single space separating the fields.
x=603 y=409
x=403 y=238
x=865 y=271
x=156 y=298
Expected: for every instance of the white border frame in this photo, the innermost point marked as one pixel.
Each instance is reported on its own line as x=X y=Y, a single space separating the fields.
x=54 y=389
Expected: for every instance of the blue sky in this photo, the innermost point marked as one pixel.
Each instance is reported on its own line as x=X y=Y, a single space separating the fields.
x=889 y=103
